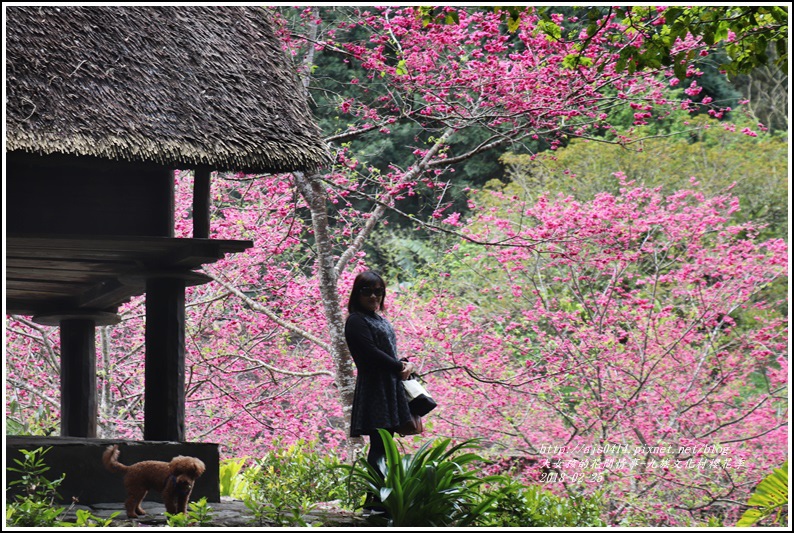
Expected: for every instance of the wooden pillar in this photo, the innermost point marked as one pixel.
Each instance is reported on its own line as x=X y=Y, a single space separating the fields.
x=164 y=397
x=201 y=203
x=78 y=367
x=78 y=378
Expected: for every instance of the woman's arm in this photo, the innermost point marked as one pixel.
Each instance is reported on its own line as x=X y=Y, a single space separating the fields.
x=363 y=349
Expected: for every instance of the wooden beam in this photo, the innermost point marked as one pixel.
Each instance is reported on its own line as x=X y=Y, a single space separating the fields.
x=98 y=316
x=57 y=275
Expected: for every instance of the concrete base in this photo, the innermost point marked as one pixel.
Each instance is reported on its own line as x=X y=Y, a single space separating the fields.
x=90 y=483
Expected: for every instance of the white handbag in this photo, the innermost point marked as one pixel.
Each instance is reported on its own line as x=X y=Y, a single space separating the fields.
x=419 y=400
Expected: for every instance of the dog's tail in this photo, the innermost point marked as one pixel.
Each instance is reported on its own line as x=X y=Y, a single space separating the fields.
x=111 y=460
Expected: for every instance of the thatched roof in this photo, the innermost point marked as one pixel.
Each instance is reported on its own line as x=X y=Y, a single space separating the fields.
x=179 y=85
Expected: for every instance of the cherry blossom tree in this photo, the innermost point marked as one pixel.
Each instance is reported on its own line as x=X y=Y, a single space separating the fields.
x=448 y=80
x=636 y=350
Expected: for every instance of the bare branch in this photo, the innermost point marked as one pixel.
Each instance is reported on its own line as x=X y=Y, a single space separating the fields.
x=252 y=304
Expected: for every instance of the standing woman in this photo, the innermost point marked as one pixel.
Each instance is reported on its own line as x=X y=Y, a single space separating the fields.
x=379 y=400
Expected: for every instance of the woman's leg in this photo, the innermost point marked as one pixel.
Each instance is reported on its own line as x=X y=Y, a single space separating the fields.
x=376 y=451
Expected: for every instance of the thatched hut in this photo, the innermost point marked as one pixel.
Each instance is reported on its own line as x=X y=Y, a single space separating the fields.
x=102 y=105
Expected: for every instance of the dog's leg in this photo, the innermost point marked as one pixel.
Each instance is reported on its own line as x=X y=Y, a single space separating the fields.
x=135 y=497
x=169 y=498
x=183 y=499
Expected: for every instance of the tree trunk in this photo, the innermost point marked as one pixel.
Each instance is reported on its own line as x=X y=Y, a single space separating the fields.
x=315 y=197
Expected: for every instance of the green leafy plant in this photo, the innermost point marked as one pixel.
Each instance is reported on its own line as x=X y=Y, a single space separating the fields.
x=34 y=506
x=435 y=486
x=232 y=482
x=770 y=498
x=284 y=486
x=198 y=514
x=22 y=422
x=177 y=520
x=518 y=505
x=28 y=512
x=86 y=519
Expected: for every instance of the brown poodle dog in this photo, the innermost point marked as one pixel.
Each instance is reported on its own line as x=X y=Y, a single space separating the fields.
x=174 y=480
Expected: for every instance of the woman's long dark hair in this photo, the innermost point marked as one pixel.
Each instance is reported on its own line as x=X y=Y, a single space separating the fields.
x=368 y=278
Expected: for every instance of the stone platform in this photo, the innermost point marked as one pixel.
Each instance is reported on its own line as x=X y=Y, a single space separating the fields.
x=89 y=483
x=226 y=513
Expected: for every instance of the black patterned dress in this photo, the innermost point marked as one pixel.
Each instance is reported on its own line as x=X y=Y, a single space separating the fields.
x=379 y=400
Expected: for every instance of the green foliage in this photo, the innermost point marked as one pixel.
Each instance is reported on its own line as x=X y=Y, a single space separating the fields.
x=284 y=486
x=32 y=469
x=716 y=158
x=29 y=512
x=511 y=15
x=755 y=27
x=232 y=483
x=434 y=487
x=34 y=506
x=517 y=505
x=717 y=86
x=770 y=498
x=198 y=514
x=436 y=15
x=23 y=422
x=86 y=519
x=403 y=253
x=713 y=521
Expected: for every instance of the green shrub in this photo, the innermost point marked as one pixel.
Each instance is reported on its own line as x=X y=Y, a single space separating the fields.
x=21 y=421
x=517 y=505
x=436 y=486
x=29 y=512
x=285 y=485
x=34 y=507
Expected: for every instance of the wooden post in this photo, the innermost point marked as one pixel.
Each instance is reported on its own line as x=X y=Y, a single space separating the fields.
x=201 y=203
x=78 y=378
x=164 y=397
